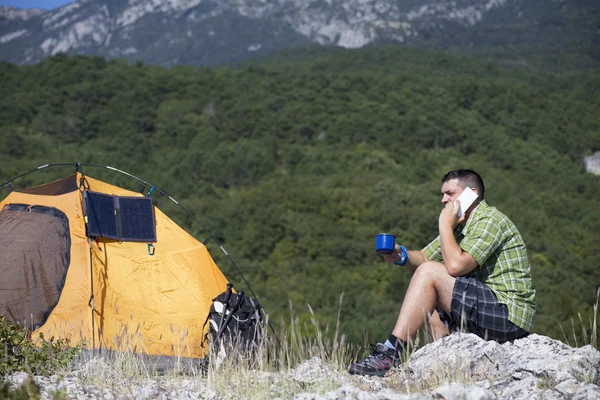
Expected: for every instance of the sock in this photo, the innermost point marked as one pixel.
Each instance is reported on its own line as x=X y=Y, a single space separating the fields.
x=395 y=344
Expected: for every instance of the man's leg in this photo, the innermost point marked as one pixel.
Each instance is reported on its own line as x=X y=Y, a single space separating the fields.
x=430 y=285
x=437 y=327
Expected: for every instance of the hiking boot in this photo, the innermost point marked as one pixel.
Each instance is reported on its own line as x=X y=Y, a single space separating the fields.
x=378 y=363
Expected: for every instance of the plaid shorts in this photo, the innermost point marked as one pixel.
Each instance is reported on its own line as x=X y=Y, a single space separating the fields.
x=483 y=315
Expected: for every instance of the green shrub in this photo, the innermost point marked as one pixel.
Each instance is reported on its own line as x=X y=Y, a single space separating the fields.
x=21 y=354
x=28 y=391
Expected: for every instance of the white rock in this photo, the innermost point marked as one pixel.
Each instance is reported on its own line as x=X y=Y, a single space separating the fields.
x=592 y=163
x=461 y=392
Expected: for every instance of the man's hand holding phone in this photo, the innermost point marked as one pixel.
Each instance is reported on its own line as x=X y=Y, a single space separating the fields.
x=453 y=212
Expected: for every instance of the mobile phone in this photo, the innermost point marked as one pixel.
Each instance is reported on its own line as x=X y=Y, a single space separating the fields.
x=466 y=198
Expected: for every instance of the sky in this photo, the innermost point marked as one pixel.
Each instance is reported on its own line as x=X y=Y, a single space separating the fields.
x=46 y=4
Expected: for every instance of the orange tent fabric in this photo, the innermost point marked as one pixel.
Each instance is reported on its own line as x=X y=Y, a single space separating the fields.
x=150 y=304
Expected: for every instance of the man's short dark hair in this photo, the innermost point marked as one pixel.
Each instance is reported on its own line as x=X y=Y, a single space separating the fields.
x=466 y=177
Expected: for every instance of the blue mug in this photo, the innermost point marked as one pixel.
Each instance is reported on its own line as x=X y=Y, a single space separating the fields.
x=385 y=243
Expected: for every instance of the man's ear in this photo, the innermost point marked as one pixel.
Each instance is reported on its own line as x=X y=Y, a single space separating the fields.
x=475 y=190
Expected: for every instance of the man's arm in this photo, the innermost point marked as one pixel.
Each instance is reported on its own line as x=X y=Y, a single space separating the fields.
x=415 y=258
x=457 y=261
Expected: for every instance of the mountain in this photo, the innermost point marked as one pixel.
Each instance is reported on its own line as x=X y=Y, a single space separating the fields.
x=208 y=32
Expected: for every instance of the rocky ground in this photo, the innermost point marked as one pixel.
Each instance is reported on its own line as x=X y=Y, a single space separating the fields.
x=460 y=366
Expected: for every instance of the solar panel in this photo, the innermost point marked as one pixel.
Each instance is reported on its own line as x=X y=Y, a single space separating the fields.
x=100 y=215
x=123 y=218
x=137 y=219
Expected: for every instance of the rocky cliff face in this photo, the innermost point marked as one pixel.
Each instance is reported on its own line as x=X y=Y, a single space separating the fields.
x=460 y=366
x=202 y=32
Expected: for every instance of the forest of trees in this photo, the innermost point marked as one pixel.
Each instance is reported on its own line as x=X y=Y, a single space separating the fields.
x=296 y=162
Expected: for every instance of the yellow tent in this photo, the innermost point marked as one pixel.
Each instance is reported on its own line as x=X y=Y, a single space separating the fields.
x=149 y=297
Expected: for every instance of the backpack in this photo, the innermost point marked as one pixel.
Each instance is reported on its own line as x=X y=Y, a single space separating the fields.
x=234 y=319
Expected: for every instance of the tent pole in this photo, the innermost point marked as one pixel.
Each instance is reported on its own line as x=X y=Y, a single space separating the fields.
x=92 y=297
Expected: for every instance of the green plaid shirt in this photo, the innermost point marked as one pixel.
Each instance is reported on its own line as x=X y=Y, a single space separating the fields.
x=497 y=246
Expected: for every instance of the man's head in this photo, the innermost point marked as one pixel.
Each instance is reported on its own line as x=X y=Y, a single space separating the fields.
x=454 y=182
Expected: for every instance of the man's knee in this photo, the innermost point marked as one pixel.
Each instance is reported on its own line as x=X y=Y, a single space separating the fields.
x=436 y=275
x=431 y=270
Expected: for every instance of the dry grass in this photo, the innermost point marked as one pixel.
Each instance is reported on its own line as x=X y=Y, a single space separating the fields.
x=265 y=372
x=589 y=334
x=587 y=370
x=260 y=373
x=270 y=370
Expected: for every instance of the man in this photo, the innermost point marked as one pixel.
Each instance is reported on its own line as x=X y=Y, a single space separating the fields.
x=475 y=274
